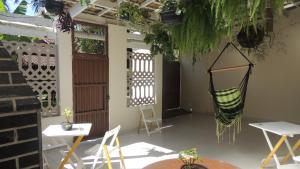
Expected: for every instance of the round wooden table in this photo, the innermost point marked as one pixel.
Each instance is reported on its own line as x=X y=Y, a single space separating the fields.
x=176 y=164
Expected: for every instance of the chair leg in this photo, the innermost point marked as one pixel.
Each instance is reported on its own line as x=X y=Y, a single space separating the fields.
x=140 y=124
x=45 y=162
x=105 y=151
x=147 y=129
x=158 y=126
x=120 y=153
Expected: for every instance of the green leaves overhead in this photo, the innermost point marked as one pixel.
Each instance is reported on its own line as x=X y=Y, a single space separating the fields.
x=200 y=32
x=240 y=13
x=130 y=12
x=2 y=6
x=231 y=12
x=21 y=9
x=206 y=22
x=160 y=41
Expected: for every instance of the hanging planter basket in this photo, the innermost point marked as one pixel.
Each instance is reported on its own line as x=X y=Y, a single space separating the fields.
x=170 y=17
x=249 y=37
x=54 y=7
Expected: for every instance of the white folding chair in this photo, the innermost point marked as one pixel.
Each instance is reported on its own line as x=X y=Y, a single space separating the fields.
x=106 y=147
x=148 y=116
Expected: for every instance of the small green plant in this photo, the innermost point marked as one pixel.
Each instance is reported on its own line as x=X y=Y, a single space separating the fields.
x=189 y=157
x=68 y=113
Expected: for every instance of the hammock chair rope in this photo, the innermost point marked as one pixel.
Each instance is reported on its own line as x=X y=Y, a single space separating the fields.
x=229 y=103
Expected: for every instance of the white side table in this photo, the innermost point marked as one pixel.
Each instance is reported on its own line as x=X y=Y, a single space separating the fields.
x=78 y=130
x=285 y=130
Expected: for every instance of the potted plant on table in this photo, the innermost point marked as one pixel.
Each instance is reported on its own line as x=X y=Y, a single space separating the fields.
x=68 y=114
x=189 y=159
x=171 y=13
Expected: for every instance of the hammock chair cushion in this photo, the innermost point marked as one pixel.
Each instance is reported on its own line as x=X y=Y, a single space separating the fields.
x=230 y=105
x=229 y=100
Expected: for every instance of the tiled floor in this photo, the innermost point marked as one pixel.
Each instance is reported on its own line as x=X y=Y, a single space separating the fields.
x=184 y=132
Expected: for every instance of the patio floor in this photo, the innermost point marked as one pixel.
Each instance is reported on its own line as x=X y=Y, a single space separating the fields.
x=179 y=133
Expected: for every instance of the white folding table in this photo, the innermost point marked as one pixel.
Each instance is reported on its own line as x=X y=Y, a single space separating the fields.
x=79 y=130
x=285 y=130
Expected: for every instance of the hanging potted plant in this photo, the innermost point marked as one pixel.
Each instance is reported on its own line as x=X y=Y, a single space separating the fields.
x=50 y=8
x=171 y=13
x=189 y=159
x=131 y=13
x=54 y=7
x=250 y=36
x=199 y=32
x=160 y=41
x=67 y=125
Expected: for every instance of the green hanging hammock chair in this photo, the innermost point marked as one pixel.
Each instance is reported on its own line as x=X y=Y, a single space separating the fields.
x=229 y=103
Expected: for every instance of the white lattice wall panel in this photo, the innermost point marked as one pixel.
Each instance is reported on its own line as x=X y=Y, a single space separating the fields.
x=141 y=79
x=37 y=62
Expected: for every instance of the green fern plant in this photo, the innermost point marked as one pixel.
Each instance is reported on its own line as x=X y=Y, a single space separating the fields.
x=242 y=13
x=200 y=31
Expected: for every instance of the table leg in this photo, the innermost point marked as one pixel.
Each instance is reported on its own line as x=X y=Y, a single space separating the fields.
x=291 y=153
x=273 y=150
x=70 y=152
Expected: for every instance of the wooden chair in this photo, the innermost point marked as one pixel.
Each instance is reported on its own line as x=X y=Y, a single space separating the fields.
x=110 y=143
x=148 y=116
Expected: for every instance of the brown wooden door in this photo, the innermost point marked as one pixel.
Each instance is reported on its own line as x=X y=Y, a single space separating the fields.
x=90 y=82
x=171 y=88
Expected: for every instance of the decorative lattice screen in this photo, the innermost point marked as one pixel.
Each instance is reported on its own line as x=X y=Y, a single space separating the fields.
x=37 y=62
x=140 y=79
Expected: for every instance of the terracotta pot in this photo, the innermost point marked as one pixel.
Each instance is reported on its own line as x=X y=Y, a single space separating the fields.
x=194 y=166
x=66 y=126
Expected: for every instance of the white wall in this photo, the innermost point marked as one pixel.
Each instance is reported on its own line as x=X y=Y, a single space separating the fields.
x=273 y=92
x=119 y=113
x=65 y=81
